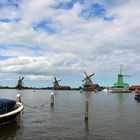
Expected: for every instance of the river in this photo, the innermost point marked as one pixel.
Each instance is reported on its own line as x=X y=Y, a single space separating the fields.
x=111 y=116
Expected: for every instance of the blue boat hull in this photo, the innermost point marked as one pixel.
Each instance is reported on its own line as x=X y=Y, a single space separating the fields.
x=10 y=116
x=8 y=119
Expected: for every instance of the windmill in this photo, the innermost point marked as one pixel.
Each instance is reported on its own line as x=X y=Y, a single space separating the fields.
x=56 y=83
x=20 y=83
x=120 y=82
x=87 y=80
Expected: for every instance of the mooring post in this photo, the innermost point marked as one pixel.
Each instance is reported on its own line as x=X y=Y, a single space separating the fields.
x=86 y=110
x=52 y=99
x=18 y=98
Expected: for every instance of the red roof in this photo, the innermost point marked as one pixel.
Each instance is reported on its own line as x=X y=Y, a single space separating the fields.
x=134 y=87
x=93 y=86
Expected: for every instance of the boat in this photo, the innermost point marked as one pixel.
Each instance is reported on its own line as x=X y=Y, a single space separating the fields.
x=137 y=96
x=106 y=90
x=119 y=90
x=9 y=110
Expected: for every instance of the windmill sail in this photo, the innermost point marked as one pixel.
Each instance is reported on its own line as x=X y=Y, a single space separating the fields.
x=88 y=80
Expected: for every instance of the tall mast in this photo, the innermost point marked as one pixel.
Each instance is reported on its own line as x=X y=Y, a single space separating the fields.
x=121 y=69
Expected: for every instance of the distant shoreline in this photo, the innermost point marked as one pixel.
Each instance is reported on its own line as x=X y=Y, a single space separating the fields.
x=34 y=88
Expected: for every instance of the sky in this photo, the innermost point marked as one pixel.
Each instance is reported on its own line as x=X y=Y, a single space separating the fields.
x=40 y=39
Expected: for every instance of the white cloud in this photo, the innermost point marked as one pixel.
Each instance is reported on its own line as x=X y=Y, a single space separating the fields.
x=39 y=65
x=96 y=45
x=38 y=77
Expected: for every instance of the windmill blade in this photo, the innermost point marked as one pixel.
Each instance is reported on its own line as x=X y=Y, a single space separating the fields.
x=55 y=79
x=19 y=78
x=91 y=75
x=22 y=78
x=126 y=75
x=86 y=74
x=88 y=77
x=84 y=79
x=90 y=80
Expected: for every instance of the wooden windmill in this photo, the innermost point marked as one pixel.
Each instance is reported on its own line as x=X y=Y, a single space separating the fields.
x=20 y=83
x=56 y=83
x=88 y=84
x=87 y=79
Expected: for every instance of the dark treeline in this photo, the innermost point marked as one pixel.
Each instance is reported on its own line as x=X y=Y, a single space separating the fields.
x=42 y=88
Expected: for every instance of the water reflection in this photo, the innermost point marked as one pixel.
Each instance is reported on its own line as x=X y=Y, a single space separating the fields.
x=87 y=95
x=120 y=97
x=9 y=131
x=52 y=108
x=86 y=126
x=87 y=131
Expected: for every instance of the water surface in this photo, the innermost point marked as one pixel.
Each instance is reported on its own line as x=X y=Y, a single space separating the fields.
x=111 y=116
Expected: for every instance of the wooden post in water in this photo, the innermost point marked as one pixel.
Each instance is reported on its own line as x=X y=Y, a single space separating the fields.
x=18 y=98
x=52 y=99
x=86 y=110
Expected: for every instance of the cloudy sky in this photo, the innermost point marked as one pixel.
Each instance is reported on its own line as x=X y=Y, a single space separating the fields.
x=40 y=39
